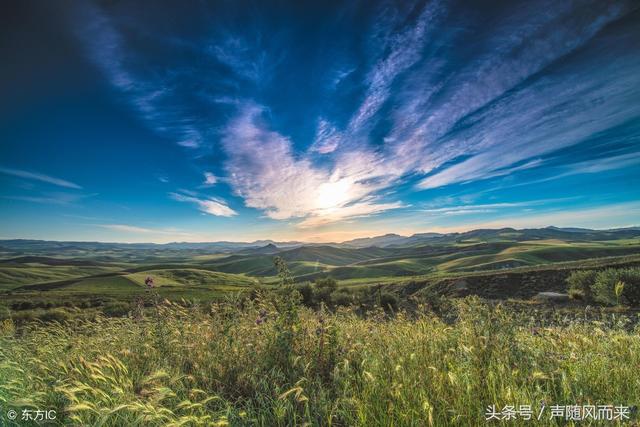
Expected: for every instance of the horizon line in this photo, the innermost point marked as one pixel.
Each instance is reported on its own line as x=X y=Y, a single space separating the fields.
x=2 y=239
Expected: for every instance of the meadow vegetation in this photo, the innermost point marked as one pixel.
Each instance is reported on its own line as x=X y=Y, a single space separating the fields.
x=267 y=359
x=208 y=344
x=609 y=286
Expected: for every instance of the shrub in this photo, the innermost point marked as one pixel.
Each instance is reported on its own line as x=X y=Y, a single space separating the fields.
x=23 y=305
x=55 y=315
x=323 y=290
x=389 y=301
x=24 y=316
x=306 y=290
x=342 y=297
x=116 y=309
x=4 y=313
x=580 y=283
x=327 y=283
x=606 y=281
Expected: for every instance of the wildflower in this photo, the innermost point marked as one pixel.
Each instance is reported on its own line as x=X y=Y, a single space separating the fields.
x=259 y=321
x=149 y=282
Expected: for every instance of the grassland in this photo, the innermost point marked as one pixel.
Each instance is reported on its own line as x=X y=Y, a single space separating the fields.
x=423 y=334
x=269 y=362
x=110 y=273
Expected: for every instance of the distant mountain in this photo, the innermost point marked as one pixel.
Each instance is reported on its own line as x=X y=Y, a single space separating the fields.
x=387 y=239
x=262 y=250
x=17 y=247
x=391 y=240
x=571 y=229
x=26 y=245
x=626 y=229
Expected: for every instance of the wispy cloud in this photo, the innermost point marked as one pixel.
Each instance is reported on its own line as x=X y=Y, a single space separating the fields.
x=211 y=206
x=273 y=180
x=327 y=138
x=402 y=50
x=126 y=228
x=440 y=99
x=39 y=177
x=463 y=209
x=52 y=198
x=210 y=179
x=496 y=124
x=155 y=98
x=611 y=216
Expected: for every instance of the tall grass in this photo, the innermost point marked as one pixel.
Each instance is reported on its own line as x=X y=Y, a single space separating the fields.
x=271 y=362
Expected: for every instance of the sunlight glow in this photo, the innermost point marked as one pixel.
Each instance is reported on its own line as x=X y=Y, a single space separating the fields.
x=333 y=194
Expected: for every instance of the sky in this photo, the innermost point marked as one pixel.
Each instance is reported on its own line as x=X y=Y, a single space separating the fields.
x=316 y=121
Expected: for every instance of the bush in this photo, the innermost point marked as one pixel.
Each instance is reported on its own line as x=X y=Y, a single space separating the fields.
x=306 y=290
x=24 y=316
x=116 y=309
x=327 y=283
x=389 y=301
x=323 y=290
x=342 y=297
x=604 y=287
x=580 y=283
x=23 y=305
x=55 y=315
x=4 y=313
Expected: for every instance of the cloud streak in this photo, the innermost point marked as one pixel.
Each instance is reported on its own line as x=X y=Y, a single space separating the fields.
x=210 y=206
x=126 y=228
x=264 y=171
x=433 y=97
x=34 y=176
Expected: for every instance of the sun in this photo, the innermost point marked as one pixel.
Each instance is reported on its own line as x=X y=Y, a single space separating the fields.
x=333 y=194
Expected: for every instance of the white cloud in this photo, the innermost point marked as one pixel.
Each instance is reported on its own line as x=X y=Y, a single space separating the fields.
x=499 y=126
x=39 y=177
x=127 y=228
x=51 y=198
x=490 y=207
x=210 y=179
x=210 y=206
x=152 y=96
x=151 y=233
x=356 y=210
x=401 y=51
x=327 y=138
x=264 y=171
x=497 y=109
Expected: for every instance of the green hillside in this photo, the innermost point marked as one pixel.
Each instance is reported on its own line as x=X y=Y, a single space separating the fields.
x=200 y=272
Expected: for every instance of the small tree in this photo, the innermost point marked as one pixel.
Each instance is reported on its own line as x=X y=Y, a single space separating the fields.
x=580 y=283
x=284 y=274
x=614 y=286
x=324 y=288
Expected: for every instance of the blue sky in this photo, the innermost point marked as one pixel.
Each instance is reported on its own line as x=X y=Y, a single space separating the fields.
x=317 y=121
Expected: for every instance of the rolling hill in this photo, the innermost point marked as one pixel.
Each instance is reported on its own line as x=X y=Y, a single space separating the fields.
x=201 y=268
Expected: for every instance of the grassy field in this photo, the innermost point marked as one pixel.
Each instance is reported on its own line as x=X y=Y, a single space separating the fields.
x=269 y=362
x=407 y=336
